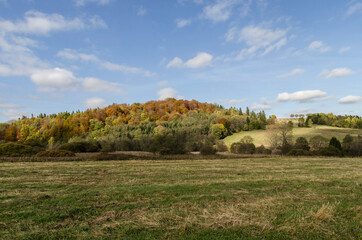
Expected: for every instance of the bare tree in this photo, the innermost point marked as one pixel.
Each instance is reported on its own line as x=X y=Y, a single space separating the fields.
x=280 y=134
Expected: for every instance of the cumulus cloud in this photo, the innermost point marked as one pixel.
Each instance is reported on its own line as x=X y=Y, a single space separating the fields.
x=318 y=46
x=50 y=80
x=95 y=102
x=292 y=73
x=260 y=107
x=42 y=24
x=350 y=99
x=58 y=79
x=176 y=62
x=84 y=2
x=337 y=73
x=302 y=96
x=167 y=93
x=201 y=60
x=74 y=55
x=182 y=22
x=260 y=40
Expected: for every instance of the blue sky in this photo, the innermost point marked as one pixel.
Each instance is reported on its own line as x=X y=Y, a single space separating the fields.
x=279 y=56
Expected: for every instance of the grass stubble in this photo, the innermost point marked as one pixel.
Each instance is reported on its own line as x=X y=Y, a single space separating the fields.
x=268 y=198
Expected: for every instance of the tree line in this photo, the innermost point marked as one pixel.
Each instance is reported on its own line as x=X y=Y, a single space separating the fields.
x=167 y=126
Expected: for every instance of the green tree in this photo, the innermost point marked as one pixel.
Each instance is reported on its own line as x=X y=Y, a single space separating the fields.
x=302 y=143
x=334 y=142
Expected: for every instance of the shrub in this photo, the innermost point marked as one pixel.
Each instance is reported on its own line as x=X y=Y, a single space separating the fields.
x=302 y=143
x=298 y=152
x=80 y=147
x=330 y=151
x=242 y=148
x=169 y=144
x=55 y=153
x=11 y=149
x=207 y=148
x=317 y=142
x=103 y=156
x=262 y=150
x=286 y=148
x=235 y=147
x=334 y=142
x=221 y=146
x=36 y=144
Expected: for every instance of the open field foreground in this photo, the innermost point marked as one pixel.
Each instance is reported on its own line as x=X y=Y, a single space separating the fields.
x=270 y=198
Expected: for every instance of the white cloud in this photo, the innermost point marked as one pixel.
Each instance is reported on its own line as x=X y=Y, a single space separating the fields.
x=344 y=49
x=336 y=73
x=350 y=99
x=218 y=12
x=292 y=73
x=41 y=23
x=302 y=111
x=12 y=114
x=58 y=79
x=176 y=62
x=50 y=80
x=260 y=107
x=97 y=85
x=84 y=2
x=141 y=11
x=318 y=46
x=126 y=69
x=182 y=22
x=302 y=96
x=260 y=40
x=232 y=102
x=195 y=1
x=74 y=55
x=98 y=22
x=8 y=105
x=201 y=60
x=221 y=10
x=167 y=93
x=357 y=7
x=16 y=57
x=95 y=102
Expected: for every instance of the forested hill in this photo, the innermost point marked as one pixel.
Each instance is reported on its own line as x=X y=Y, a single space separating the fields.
x=144 y=116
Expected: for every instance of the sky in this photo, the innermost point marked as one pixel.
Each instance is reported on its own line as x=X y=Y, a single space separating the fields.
x=284 y=57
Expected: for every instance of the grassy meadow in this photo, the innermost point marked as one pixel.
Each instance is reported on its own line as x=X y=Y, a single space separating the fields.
x=259 y=198
x=260 y=136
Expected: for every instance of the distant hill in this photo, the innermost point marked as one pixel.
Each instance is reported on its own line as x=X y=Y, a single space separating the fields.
x=134 y=119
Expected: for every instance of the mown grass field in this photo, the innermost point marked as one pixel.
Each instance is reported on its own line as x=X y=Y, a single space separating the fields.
x=260 y=136
x=269 y=198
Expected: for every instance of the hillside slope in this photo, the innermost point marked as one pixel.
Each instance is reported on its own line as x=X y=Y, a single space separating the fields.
x=260 y=136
